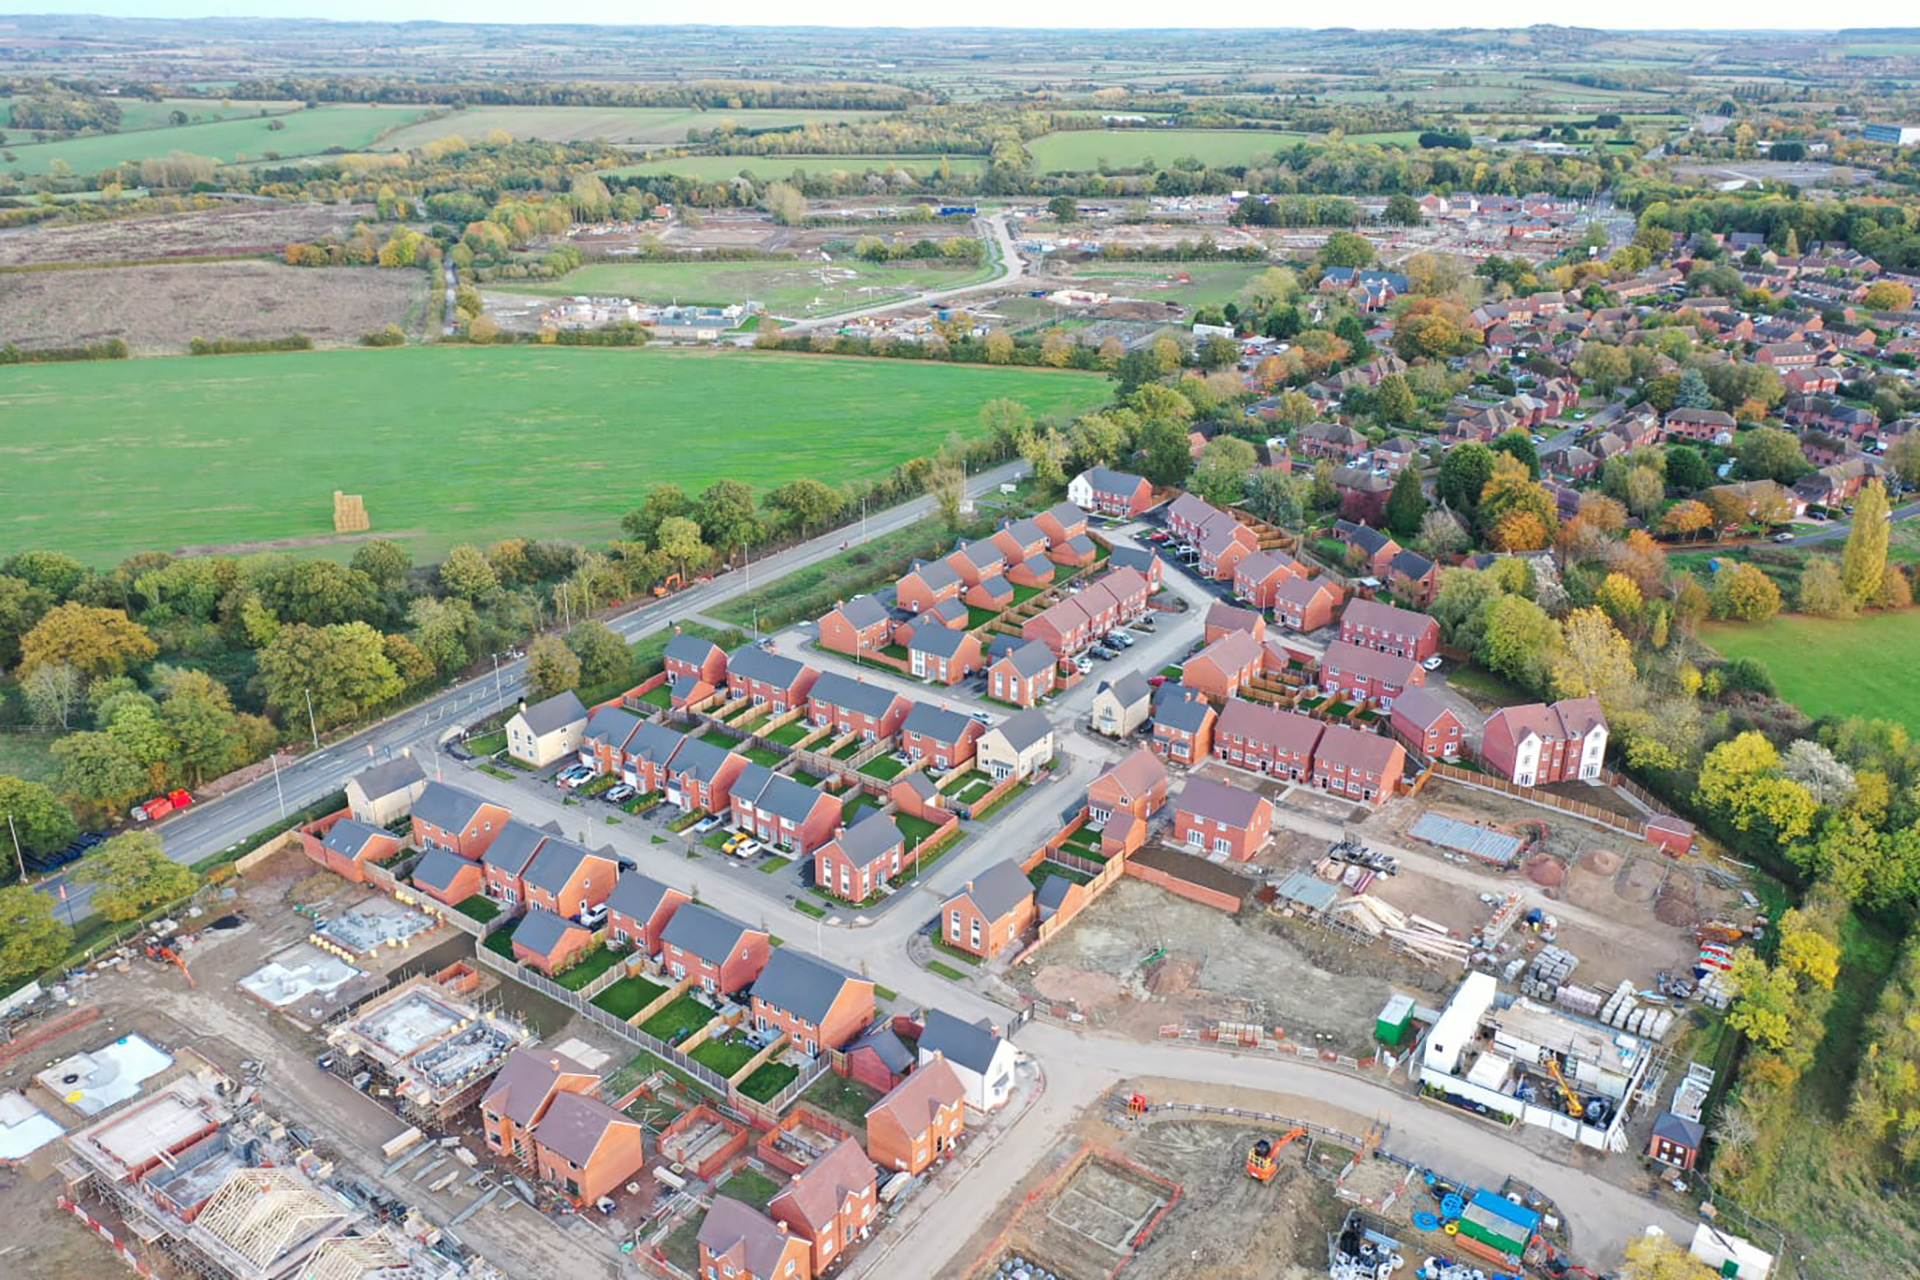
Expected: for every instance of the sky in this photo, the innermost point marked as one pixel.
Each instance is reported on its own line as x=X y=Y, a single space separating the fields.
x=1618 y=15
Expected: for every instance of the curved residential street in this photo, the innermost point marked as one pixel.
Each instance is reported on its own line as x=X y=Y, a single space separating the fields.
x=1012 y=268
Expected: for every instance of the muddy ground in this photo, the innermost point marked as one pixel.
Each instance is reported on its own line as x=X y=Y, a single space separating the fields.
x=239 y=228
x=159 y=310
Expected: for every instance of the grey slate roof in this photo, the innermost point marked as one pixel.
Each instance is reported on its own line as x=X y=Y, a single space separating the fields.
x=514 y=847
x=689 y=648
x=803 y=985
x=555 y=862
x=557 y=712
x=1231 y=805
x=1031 y=658
x=888 y=1047
x=540 y=931
x=999 y=889
x=751 y=662
x=935 y=722
x=729 y=1224
x=1065 y=514
x=981 y=553
x=1688 y=1133
x=937 y=639
x=1052 y=892
x=655 y=742
x=864 y=841
x=703 y=931
x=937 y=574
x=637 y=896
x=996 y=586
x=947 y=611
x=1025 y=531
x=1081 y=545
x=1366 y=537
x=787 y=798
x=524 y=1080
x=684 y=686
x=863 y=612
x=1107 y=480
x=751 y=781
x=835 y=690
x=1137 y=559
x=1187 y=714
x=701 y=759
x=350 y=835
x=965 y=1044
x=1129 y=690
x=612 y=726
x=576 y=1124
x=1411 y=563
x=438 y=868
x=1024 y=728
x=447 y=807
x=389 y=777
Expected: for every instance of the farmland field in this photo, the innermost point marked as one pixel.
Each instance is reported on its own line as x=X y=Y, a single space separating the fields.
x=1206 y=285
x=787 y=288
x=304 y=133
x=611 y=124
x=1854 y=667
x=160 y=309
x=1084 y=150
x=138 y=113
x=713 y=168
x=246 y=228
x=450 y=444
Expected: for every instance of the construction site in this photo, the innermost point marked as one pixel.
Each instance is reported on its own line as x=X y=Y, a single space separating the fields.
x=431 y=1044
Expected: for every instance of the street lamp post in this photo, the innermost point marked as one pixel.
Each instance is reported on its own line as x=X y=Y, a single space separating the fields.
x=496 y=677
x=18 y=856
x=312 y=726
x=279 y=795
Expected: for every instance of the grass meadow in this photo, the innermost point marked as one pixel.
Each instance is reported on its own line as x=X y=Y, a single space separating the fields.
x=451 y=444
x=1084 y=150
x=607 y=124
x=766 y=168
x=1828 y=666
x=785 y=287
x=303 y=133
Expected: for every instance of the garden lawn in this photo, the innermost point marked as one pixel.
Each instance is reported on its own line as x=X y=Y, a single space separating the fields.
x=500 y=941
x=751 y=1187
x=1085 y=150
x=595 y=963
x=1847 y=667
x=628 y=996
x=479 y=906
x=724 y=1056
x=684 y=1016
x=786 y=287
x=885 y=768
x=301 y=133
x=914 y=829
x=766 y=1083
x=843 y=1098
x=99 y=453
x=789 y=733
x=860 y=801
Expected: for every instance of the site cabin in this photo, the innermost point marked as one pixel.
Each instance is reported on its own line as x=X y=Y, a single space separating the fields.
x=568 y=879
x=984 y=1060
x=859 y=860
x=815 y=1004
x=942 y=654
x=1265 y=739
x=847 y=706
x=1017 y=747
x=528 y=1081
x=1109 y=492
x=352 y=844
x=1535 y=744
x=585 y=1149
x=1121 y=706
x=1676 y=1141
x=1136 y=785
x=451 y=818
x=919 y=1120
x=1224 y=619
x=945 y=739
x=547 y=941
x=638 y=910
x=991 y=912
x=1024 y=674
x=508 y=857
x=720 y=954
x=1428 y=725
x=1362 y=766
x=1373 y=625
x=386 y=792
x=858 y=626
x=1305 y=604
x=1355 y=674
x=1378 y=548
x=1259 y=577
x=540 y=734
x=831 y=1203
x=768 y=680
x=1223 y=668
x=783 y=812
x=1183 y=725
x=1215 y=819
x=738 y=1242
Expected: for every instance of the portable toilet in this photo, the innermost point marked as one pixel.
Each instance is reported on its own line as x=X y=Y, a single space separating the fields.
x=1393 y=1022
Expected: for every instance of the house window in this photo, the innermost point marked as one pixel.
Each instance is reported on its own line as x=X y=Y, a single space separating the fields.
x=953 y=925
x=1222 y=845
x=974 y=933
x=1196 y=838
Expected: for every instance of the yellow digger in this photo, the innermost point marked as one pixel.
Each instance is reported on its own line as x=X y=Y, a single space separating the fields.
x=1575 y=1108
x=1261 y=1164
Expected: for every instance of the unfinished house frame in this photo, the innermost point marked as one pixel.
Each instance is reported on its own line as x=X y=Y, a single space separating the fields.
x=430 y=1042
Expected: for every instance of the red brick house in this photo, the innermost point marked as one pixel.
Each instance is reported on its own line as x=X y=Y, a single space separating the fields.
x=815 y=1004
x=447 y=877
x=943 y=738
x=351 y=844
x=831 y=1204
x=739 y=1242
x=508 y=857
x=770 y=680
x=1251 y=735
x=1413 y=577
x=1024 y=674
x=991 y=912
x=549 y=942
x=783 y=812
x=1219 y=670
x=585 y=1149
x=1535 y=744
x=695 y=658
x=1258 y=577
x=858 y=862
x=567 y=878
x=1363 y=766
x=929 y=583
x=638 y=910
x=1062 y=523
x=1354 y=674
x=1113 y=493
x=1373 y=625
x=1183 y=726
x=942 y=654
x=720 y=954
x=1328 y=440
x=1363 y=493
x=525 y=1086
x=919 y=1121
x=1224 y=619
x=1379 y=548
x=1064 y=627
x=1703 y=425
x=854 y=706
x=1428 y=725
x=1214 y=818
x=859 y=626
x=448 y=817
x=701 y=775
x=1223 y=543
x=1786 y=355
x=1305 y=604
x=1022 y=540
x=977 y=561
x=1136 y=785
x=1188 y=514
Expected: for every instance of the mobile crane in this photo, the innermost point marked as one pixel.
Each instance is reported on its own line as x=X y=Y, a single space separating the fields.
x=1575 y=1107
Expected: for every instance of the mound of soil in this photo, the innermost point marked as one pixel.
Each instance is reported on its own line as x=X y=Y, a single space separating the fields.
x=1600 y=861
x=1638 y=883
x=1545 y=871
x=1676 y=911
x=1173 y=975
x=1085 y=989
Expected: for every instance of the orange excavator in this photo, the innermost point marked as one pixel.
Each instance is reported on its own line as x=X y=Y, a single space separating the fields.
x=161 y=953
x=1261 y=1164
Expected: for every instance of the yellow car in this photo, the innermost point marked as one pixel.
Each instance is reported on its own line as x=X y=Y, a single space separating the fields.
x=733 y=843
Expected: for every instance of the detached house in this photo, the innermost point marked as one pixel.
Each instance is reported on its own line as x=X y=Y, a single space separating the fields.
x=1016 y=747
x=991 y=912
x=1024 y=674
x=858 y=862
x=585 y=1148
x=386 y=792
x=1214 y=818
x=528 y=1081
x=542 y=733
x=928 y=584
x=351 y=844
x=549 y=942
x=1706 y=426
x=1305 y=604
x=1379 y=548
x=919 y=1121
x=942 y=654
x=738 y=1242
x=831 y=1203
x=1259 y=577
x=1373 y=625
x=447 y=817
x=858 y=626
x=719 y=953
x=568 y=879
x=638 y=910
x=1428 y=725
x=1536 y=744
x=444 y=876
x=696 y=667
x=770 y=680
x=1182 y=725
x=1121 y=706
x=853 y=706
x=1413 y=577
x=815 y=1004
x=1112 y=493
x=1136 y=786
x=984 y=1061
x=944 y=739
x=1224 y=619
x=978 y=561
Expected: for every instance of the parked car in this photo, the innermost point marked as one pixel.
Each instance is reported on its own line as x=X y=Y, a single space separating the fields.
x=575 y=778
x=746 y=849
x=707 y=824
x=620 y=794
x=1083 y=664
x=1144 y=623
x=594 y=915
x=984 y=718
x=1783 y=536
x=1156 y=681
x=734 y=842
x=1433 y=663
x=1122 y=638
x=1103 y=653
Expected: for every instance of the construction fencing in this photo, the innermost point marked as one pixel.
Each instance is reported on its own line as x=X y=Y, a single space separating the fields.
x=1635 y=827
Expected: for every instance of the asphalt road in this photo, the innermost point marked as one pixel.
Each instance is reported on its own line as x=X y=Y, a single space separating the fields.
x=1838 y=529
x=1011 y=269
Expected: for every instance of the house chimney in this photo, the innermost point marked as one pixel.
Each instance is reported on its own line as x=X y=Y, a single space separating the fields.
x=780 y=1226
x=554 y=1063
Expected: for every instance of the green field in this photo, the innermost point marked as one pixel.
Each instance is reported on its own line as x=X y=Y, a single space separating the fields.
x=305 y=133
x=1206 y=285
x=608 y=124
x=1087 y=149
x=138 y=113
x=1850 y=667
x=762 y=168
x=786 y=288
x=451 y=444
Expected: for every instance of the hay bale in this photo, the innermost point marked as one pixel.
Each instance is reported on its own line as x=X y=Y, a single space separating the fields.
x=350 y=513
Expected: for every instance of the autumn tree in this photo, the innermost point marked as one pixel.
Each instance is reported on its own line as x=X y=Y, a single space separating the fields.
x=1515 y=513
x=468 y=574
x=947 y=486
x=806 y=503
x=551 y=667
x=32 y=938
x=131 y=873
x=1594 y=660
x=603 y=654
x=1863 y=564
x=1519 y=641
x=1464 y=475
x=678 y=539
x=1220 y=476
x=343 y=669
x=1686 y=519
x=1742 y=780
x=39 y=821
x=93 y=641
x=1822 y=593
x=1393 y=401
x=1743 y=593
x=1651 y=1257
